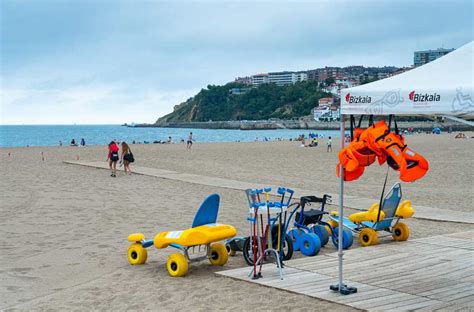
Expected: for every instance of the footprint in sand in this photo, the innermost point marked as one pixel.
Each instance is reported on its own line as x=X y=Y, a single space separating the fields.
x=22 y=270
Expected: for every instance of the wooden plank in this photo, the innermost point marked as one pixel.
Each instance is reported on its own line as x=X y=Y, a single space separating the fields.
x=395 y=297
x=419 y=305
x=468 y=300
x=415 y=302
x=319 y=284
x=303 y=278
x=370 y=293
x=460 y=295
x=422 y=287
x=465 y=289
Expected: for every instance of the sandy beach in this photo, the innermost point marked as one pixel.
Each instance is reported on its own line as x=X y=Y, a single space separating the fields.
x=64 y=227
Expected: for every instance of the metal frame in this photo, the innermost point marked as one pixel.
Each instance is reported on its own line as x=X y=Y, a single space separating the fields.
x=360 y=226
x=185 y=249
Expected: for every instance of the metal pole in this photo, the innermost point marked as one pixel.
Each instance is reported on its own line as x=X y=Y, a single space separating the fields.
x=340 y=287
x=340 y=252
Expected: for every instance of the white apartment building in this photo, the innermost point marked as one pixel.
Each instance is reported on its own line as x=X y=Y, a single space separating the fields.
x=327 y=113
x=259 y=79
x=279 y=78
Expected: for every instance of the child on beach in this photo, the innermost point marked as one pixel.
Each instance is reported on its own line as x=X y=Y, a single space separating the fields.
x=127 y=158
x=113 y=157
x=329 y=145
x=190 y=141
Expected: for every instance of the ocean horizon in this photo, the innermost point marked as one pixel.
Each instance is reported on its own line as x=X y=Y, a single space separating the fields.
x=51 y=135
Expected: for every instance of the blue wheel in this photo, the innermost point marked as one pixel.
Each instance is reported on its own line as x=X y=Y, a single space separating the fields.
x=296 y=235
x=310 y=244
x=322 y=233
x=347 y=238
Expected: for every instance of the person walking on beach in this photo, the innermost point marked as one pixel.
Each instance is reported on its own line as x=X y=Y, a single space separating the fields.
x=190 y=141
x=83 y=142
x=127 y=158
x=113 y=157
x=329 y=145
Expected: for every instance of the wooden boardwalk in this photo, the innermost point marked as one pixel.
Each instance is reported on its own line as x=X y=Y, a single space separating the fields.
x=353 y=202
x=427 y=274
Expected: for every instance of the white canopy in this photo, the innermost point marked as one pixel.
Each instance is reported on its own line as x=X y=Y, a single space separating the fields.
x=441 y=87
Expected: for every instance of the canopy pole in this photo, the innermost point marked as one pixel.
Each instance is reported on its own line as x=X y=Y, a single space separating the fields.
x=341 y=287
x=340 y=250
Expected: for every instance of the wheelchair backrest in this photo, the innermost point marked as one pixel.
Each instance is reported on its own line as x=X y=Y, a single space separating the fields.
x=208 y=211
x=389 y=206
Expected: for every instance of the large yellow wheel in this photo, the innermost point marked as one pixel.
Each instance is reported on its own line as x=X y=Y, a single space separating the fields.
x=400 y=232
x=177 y=265
x=333 y=224
x=218 y=254
x=137 y=254
x=328 y=228
x=367 y=237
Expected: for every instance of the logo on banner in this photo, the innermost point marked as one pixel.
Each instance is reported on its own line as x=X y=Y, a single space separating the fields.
x=358 y=99
x=424 y=97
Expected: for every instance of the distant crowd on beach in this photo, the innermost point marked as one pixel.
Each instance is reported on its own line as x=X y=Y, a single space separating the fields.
x=310 y=140
x=313 y=140
x=73 y=143
x=189 y=141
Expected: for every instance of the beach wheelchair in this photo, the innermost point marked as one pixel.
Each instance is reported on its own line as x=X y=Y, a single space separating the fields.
x=309 y=232
x=367 y=223
x=204 y=232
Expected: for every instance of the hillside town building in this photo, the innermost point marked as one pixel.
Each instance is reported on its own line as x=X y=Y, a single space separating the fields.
x=279 y=78
x=423 y=57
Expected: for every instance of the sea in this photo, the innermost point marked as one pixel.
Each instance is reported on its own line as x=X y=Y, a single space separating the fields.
x=51 y=135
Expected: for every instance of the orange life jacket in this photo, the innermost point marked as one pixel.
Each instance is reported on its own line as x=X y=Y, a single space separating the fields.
x=355 y=157
x=350 y=175
x=412 y=166
x=378 y=141
x=374 y=132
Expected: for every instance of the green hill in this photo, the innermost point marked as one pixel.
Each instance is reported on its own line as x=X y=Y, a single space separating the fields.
x=216 y=103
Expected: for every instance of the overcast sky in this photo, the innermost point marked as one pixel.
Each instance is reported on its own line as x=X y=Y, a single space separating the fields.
x=103 y=62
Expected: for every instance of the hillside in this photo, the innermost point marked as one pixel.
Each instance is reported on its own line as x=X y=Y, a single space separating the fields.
x=216 y=103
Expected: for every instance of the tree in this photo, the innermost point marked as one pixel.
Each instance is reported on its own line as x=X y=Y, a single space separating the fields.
x=267 y=101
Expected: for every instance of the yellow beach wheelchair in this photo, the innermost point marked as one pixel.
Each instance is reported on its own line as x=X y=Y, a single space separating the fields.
x=204 y=232
x=368 y=223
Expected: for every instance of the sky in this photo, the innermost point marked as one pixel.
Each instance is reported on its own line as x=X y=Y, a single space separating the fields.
x=112 y=62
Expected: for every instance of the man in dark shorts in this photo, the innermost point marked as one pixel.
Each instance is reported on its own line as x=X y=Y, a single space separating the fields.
x=190 y=141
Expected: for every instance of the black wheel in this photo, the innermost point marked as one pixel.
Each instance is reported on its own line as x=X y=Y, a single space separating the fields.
x=287 y=248
x=248 y=250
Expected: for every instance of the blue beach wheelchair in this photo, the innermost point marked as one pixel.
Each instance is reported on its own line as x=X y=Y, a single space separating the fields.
x=310 y=232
